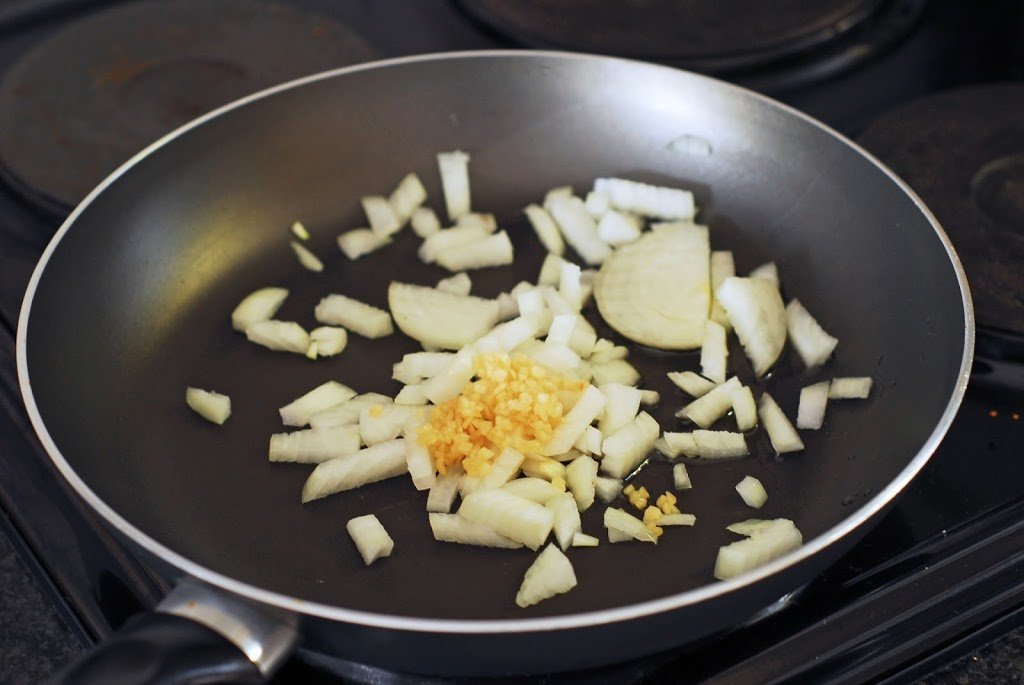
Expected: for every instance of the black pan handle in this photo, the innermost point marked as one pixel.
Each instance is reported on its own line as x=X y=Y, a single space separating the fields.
x=196 y=635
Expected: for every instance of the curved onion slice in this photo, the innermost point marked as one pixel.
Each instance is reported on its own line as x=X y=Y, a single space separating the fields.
x=439 y=319
x=758 y=316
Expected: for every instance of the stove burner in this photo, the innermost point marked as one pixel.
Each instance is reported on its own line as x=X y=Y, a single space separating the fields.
x=709 y=35
x=82 y=102
x=962 y=151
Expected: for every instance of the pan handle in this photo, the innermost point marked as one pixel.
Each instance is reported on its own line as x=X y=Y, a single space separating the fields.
x=196 y=635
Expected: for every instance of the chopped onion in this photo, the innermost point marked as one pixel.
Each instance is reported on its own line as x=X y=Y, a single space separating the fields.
x=346 y=413
x=369 y=465
x=547 y=468
x=281 y=336
x=507 y=336
x=748 y=527
x=416 y=366
x=584 y=540
x=299 y=231
x=767 y=272
x=581 y=478
x=597 y=204
x=257 y=306
x=442 y=492
x=607 y=489
x=591 y=439
x=494 y=250
x=325 y=396
x=614 y=371
x=681 y=477
x=647 y=200
x=382 y=422
x=567 y=518
x=551 y=270
x=618 y=228
x=783 y=436
x=550 y=574
x=722 y=267
x=503 y=469
x=360 y=241
x=329 y=340
x=771 y=542
x=677 y=519
x=809 y=339
x=554 y=193
x=561 y=329
x=758 y=316
x=424 y=222
x=705 y=444
x=626 y=448
x=752 y=492
x=714 y=352
x=488 y=222
x=458 y=529
x=382 y=218
x=691 y=383
x=407 y=197
x=810 y=414
x=853 y=388
x=306 y=258
x=454 y=170
x=743 y=407
x=414 y=394
x=450 y=239
x=649 y=397
x=710 y=407
x=314 y=446
x=508 y=308
x=545 y=228
x=372 y=541
x=459 y=284
x=211 y=405
x=578 y=228
x=514 y=517
x=418 y=462
x=452 y=380
x=569 y=286
x=534 y=489
x=575 y=422
x=356 y=316
x=631 y=526
x=621 y=408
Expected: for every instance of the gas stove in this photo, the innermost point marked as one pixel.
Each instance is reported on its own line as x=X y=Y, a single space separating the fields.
x=926 y=86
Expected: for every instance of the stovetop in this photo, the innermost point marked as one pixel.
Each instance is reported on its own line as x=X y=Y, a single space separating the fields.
x=941 y=572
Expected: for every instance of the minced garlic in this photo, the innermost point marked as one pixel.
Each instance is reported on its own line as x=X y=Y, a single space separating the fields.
x=513 y=402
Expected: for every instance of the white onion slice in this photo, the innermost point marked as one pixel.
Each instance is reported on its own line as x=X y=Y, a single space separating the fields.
x=681 y=477
x=442 y=492
x=299 y=231
x=514 y=517
x=280 y=336
x=752 y=492
x=625 y=449
x=369 y=465
x=494 y=250
x=748 y=527
x=809 y=339
x=714 y=352
x=454 y=170
x=783 y=436
x=356 y=316
x=211 y=405
x=597 y=204
x=649 y=397
x=647 y=200
x=569 y=286
x=581 y=478
x=329 y=341
x=416 y=366
x=372 y=541
x=306 y=258
x=550 y=574
x=346 y=413
x=677 y=519
x=314 y=446
x=360 y=241
x=705 y=444
x=691 y=383
x=418 y=462
x=460 y=530
x=324 y=396
x=722 y=267
x=381 y=217
x=551 y=270
x=618 y=228
x=810 y=414
x=852 y=388
x=578 y=228
x=407 y=197
x=584 y=540
x=575 y=422
x=767 y=272
x=758 y=316
x=614 y=371
x=743 y=407
x=257 y=306
x=631 y=526
x=546 y=229
x=770 y=542
x=424 y=222
x=622 y=407
x=459 y=284
x=534 y=489
x=449 y=239
x=713 y=405
x=382 y=422
x=567 y=519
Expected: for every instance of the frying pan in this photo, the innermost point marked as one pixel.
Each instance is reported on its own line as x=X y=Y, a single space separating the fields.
x=131 y=301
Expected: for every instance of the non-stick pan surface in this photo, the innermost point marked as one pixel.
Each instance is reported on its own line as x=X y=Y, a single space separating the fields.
x=132 y=305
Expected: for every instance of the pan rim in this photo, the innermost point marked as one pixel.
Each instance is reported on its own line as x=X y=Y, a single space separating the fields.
x=577 y=620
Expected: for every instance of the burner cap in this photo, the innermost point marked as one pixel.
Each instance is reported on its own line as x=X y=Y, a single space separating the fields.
x=962 y=151
x=722 y=34
x=82 y=102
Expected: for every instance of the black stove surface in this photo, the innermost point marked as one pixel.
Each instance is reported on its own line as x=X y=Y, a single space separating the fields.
x=940 y=573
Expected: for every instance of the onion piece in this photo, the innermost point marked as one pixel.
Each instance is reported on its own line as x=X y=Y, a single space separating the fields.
x=314 y=446
x=767 y=272
x=569 y=286
x=372 y=541
x=758 y=316
x=852 y=388
x=324 y=396
x=449 y=239
x=459 y=284
x=722 y=267
x=458 y=529
x=546 y=229
x=299 y=231
x=418 y=462
x=356 y=316
x=257 y=306
x=416 y=366
x=439 y=319
x=714 y=352
x=748 y=527
x=743 y=407
x=581 y=477
x=442 y=492
x=454 y=170
x=578 y=228
x=534 y=489
x=647 y=200
x=382 y=422
x=626 y=448
x=590 y=441
x=781 y=433
x=607 y=489
x=329 y=341
x=649 y=397
x=413 y=394
x=407 y=197
x=597 y=204
x=550 y=574
x=507 y=307
x=618 y=228
x=514 y=517
x=567 y=519
x=681 y=477
x=705 y=444
x=346 y=413
x=771 y=542
x=450 y=383
x=614 y=371
x=691 y=383
x=584 y=540
x=488 y=222
x=752 y=492
x=382 y=218
x=547 y=468
x=212 y=406
x=280 y=336
x=507 y=336
x=551 y=270
x=809 y=339
x=710 y=407
x=622 y=407
x=494 y=250
x=360 y=241
x=503 y=469
x=631 y=526
x=306 y=258
x=810 y=413
x=369 y=465
x=677 y=519
x=575 y=422
x=424 y=222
